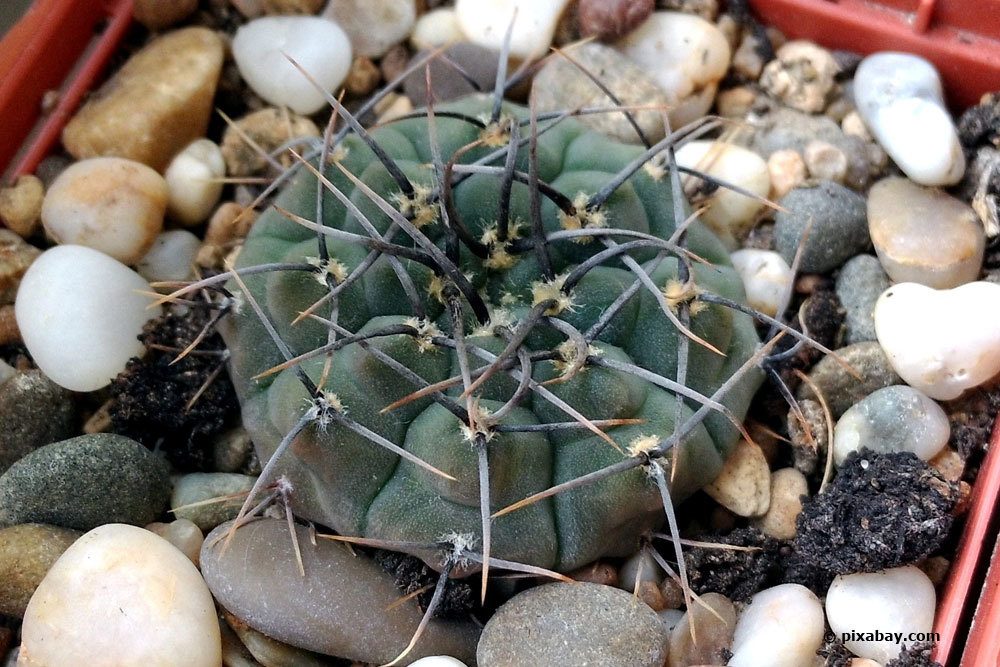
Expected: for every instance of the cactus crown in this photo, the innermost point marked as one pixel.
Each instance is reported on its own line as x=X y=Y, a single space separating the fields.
x=487 y=337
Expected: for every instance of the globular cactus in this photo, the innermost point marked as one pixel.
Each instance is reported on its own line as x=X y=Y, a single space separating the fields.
x=492 y=308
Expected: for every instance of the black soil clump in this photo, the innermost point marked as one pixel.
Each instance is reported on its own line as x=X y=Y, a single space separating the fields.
x=917 y=655
x=881 y=511
x=971 y=418
x=411 y=574
x=735 y=573
x=834 y=653
x=981 y=124
x=150 y=398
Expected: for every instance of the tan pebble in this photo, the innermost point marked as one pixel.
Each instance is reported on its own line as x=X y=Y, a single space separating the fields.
x=713 y=633
x=949 y=463
x=363 y=77
x=673 y=594
x=864 y=662
x=183 y=534
x=21 y=205
x=393 y=107
x=228 y=226
x=801 y=76
x=597 y=572
x=788 y=485
x=109 y=204
x=649 y=592
x=293 y=6
x=15 y=258
x=964 y=499
x=853 y=126
x=787 y=170
x=735 y=102
x=809 y=441
x=825 y=161
x=744 y=484
x=268 y=128
x=747 y=61
x=27 y=551
x=155 y=105
x=158 y=14
x=936 y=568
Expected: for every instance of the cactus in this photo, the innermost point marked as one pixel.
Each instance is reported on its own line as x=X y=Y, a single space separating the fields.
x=493 y=308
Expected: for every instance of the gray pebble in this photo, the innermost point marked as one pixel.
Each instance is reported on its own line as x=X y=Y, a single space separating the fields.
x=859 y=285
x=573 y=624
x=34 y=411
x=197 y=487
x=85 y=482
x=840 y=389
x=838 y=230
x=337 y=608
x=479 y=64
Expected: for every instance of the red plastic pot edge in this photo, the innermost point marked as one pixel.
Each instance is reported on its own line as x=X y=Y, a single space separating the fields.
x=37 y=68
x=961 y=37
x=52 y=47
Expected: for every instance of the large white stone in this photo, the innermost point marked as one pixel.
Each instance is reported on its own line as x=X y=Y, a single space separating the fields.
x=900 y=99
x=79 y=312
x=730 y=214
x=687 y=56
x=782 y=627
x=766 y=277
x=121 y=595
x=319 y=45
x=194 y=182
x=900 y=600
x=485 y=23
x=941 y=342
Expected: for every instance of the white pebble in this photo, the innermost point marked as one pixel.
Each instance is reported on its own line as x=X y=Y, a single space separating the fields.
x=438 y=661
x=121 y=595
x=172 y=256
x=766 y=277
x=825 y=161
x=485 y=22
x=79 y=312
x=900 y=99
x=686 y=55
x=941 y=342
x=893 y=419
x=436 y=28
x=729 y=214
x=194 y=182
x=899 y=600
x=318 y=45
x=106 y=203
x=782 y=627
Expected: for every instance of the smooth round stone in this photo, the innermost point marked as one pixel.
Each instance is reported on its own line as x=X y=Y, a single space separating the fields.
x=27 y=552
x=730 y=214
x=787 y=170
x=573 y=624
x=827 y=219
x=183 y=534
x=121 y=591
x=687 y=56
x=788 y=486
x=156 y=104
x=374 y=26
x=485 y=23
x=801 y=76
x=84 y=482
x=194 y=182
x=825 y=161
x=782 y=627
x=21 y=204
x=842 y=389
x=436 y=28
x=34 y=411
x=171 y=257
x=338 y=607
x=743 y=486
x=197 y=487
x=923 y=235
x=713 y=633
x=900 y=99
x=766 y=277
x=438 y=661
x=901 y=599
x=941 y=342
x=109 y=204
x=894 y=419
x=561 y=84
x=859 y=285
x=261 y=49
x=80 y=312
x=641 y=567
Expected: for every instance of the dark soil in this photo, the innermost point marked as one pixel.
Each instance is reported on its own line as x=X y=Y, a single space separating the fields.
x=834 y=653
x=918 y=655
x=412 y=574
x=736 y=574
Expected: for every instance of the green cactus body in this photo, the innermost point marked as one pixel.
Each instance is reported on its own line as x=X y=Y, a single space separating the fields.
x=341 y=479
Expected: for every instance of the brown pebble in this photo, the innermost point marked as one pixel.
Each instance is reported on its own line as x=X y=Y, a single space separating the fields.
x=650 y=593
x=610 y=19
x=158 y=14
x=15 y=258
x=673 y=594
x=293 y=6
x=229 y=225
x=964 y=499
x=394 y=62
x=9 y=331
x=735 y=102
x=949 y=463
x=21 y=205
x=936 y=568
x=597 y=572
x=363 y=77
